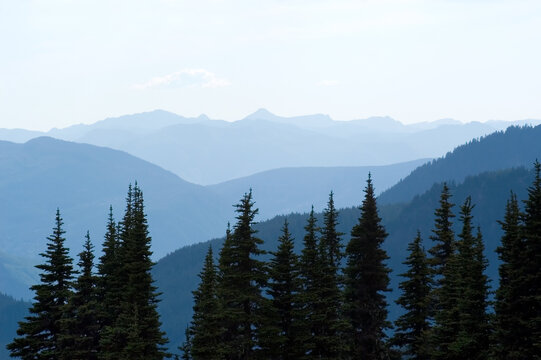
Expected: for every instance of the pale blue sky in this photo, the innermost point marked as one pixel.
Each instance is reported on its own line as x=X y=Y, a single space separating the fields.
x=73 y=61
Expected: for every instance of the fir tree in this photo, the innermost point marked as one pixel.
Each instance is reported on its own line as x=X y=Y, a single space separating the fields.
x=282 y=336
x=83 y=324
x=205 y=329
x=136 y=332
x=312 y=280
x=329 y=339
x=367 y=278
x=412 y=328
x=443 y=235
x=41 y=331
x=186 y=347
x=510 y=324
x=531 y=298
x=109 y=287
x=472 y=338
x=242 y=276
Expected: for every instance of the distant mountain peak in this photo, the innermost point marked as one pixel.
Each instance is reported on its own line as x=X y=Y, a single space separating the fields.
x=262 y=114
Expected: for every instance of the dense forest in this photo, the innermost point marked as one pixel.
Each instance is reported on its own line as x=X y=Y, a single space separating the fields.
x=328 y=302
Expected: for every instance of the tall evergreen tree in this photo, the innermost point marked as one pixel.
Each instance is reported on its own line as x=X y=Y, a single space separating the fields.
x=461 y=320
x=242 y=276
x=205 y=329
x=510 y=322
x=83 y=337
x=312 y=281
x=329 y=339
x=412 y=328
x=136 y=332
x=443 y=235
x=110 y=283
x=41 y=331
x=366 y=280
x=532 y=276
x=283 y=334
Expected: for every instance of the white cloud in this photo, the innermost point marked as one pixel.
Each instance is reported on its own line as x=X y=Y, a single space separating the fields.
x=327 y=83
x=186 y=77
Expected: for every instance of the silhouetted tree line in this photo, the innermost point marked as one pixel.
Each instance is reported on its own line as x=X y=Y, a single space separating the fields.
x=84 y=315
x=329 y=301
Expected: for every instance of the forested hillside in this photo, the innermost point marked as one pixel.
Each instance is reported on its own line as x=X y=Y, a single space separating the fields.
x=176 y=274
x=516 y=146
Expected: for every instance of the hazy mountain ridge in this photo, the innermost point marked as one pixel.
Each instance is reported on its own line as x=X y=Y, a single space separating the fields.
x=516 y=146
x=208 y=151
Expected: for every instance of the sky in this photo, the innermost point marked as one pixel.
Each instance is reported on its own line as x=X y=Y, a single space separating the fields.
x=79 y=61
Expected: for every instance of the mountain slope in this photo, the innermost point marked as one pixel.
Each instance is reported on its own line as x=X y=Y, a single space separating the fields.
x=11 y=311
x=83 y=180
x=176 y=274
x=516 y=146
x=288 y=190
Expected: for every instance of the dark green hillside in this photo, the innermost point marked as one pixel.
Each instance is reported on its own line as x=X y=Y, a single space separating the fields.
x=517 y=146
x=11 y=311
x=176 y=273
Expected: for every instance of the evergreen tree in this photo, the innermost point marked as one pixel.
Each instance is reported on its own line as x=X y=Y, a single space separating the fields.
x=367 y=278
x=41 y=331
x=443 y=235
x=83 y=324
x=510 y=324
x=461 y=320
x=329 y=339
x=186 y=347
x=531 y=298
x=312 y=280
x=110 y=283
x=472 y=338
x=205 y=329
x=242 y=276
x=136 y=332
x=282 y=334
x=412 y=328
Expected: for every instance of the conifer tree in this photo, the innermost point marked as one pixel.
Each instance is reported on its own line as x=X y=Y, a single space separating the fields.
x=330 y=342
x=461 y=320
x=41 y=331
x=531 y=298
x=186 y=347
x=366 y=280
x=443 y=235
x=412 y=328
x=83 y=324
x=282 y=333
x=312 y=280
x=109 y=287
x=242 y=276
x=136 y=332
x=510 y=324
x=472 y=338
x=205 y=329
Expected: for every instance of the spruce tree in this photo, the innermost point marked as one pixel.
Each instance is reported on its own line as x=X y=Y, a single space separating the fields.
x=283 y=325
x=510 y=324
x=461 y=320
x=531 y=298
x=443 y=235
x=41 y=331
x=472 y=338
x=332 y=327
x=242 y=276
x=83 y=337
x=136 y=332
x=205 y=329
x=412 y=327
x=312 y=280
x=366 y=281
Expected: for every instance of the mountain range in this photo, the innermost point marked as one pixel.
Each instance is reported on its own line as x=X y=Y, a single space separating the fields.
x=205 y=151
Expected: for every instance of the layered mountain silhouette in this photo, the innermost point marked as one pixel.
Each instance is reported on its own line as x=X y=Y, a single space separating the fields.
x=206 y=151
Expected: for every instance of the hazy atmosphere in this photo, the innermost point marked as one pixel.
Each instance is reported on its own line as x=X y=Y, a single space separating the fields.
x=65 y=62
